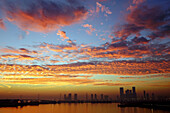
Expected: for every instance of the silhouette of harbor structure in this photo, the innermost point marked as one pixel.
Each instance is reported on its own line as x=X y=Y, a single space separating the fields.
x=127 y=98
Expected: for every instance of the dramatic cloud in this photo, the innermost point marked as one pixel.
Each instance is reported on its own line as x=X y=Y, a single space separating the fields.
x=143 y=17
x=91 y=29
x=114 y=68
x=140 y=40
x=118 y=45
x=42 y=16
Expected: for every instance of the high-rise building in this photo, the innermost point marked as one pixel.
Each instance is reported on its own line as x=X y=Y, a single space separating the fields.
x=134 y=90
x=134 y=93
x=95 y=96
x=130 y=91
x=106 y=97
x=144 y=95
x=91 y=96
x=69 y=96
x=65 y=98
x=101 y=96
x=75 y=96
x=147 y=96
x=153 y=96
x=121 y=93
x=129 y=94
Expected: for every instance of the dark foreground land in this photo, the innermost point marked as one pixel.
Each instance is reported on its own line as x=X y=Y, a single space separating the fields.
x=161 y=105
x=18 y=102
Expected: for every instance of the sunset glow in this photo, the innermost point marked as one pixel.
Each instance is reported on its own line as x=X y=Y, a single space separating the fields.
x=52 y=47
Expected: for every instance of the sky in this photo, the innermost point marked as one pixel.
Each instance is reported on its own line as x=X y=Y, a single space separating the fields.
x=53 y=47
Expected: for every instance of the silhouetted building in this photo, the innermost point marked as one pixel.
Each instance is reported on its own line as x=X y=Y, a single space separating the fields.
x=129 y=94
x=95 y=96
x=75 y=96
x=91 y=96
x=69 y=97
x=134 y=92
x=121 y=93
x=144 y=95
x=65 y=97
x=147 y=96
x=106 y=97
x=101 y=96
x=153 y=96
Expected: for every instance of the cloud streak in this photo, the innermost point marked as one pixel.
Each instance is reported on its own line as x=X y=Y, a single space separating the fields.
x=116 y=67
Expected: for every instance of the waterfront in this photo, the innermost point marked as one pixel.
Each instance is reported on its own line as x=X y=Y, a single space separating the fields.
x=78 y=108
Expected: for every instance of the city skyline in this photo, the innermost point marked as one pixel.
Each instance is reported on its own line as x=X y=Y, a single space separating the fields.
x=53 y=47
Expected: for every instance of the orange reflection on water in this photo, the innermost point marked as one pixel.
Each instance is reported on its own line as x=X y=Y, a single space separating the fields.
x=78 y=108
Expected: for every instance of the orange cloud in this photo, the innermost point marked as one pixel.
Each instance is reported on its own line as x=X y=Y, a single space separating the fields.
x=18 y=51
x=18 y=57
x=62 y=34
x=139 y=19
x=2 y=26
x=43 y=16
x=91 y=29
x=117 y=67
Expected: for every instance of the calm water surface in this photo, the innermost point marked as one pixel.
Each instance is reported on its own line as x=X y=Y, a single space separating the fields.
x=78 y=108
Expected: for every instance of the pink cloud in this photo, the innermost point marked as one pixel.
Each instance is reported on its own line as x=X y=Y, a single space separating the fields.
x=62 y=34
x=91 y=29
x=43 y=16
x=144 y=18
x=135 y=4
x=103 y=8
x=2 y=25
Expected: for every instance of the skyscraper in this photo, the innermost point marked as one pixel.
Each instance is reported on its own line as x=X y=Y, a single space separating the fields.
x=101 y=96
x=147 y=96
x=95 y=96
x=75 y=97
x=69 y=96
x=134 y=91
x=121 y=93
x=91 y=96
x=144 y=95
x=65 y=97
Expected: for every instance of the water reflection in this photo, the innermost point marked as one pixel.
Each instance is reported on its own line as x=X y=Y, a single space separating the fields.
x=78 y=108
